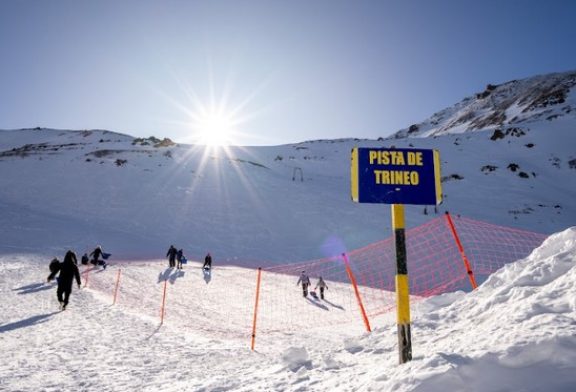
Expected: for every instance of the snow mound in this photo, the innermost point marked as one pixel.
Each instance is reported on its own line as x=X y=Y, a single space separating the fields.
x=517 y=331
x=296 y=357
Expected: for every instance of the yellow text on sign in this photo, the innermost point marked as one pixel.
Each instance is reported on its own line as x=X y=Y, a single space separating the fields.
x=413 y=158
x=396 y=177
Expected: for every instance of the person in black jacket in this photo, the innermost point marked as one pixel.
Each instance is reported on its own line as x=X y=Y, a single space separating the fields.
x=68 y=272
x=171 y=254
x=96 y=253
x=179 y=256
x=207 y=262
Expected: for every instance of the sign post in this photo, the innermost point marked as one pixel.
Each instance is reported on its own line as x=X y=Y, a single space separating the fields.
x=397 y=177
x=402 y=287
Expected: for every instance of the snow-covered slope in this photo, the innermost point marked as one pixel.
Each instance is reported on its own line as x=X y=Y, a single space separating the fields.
x=516 y=332
x=77 y=189
x=64 y=189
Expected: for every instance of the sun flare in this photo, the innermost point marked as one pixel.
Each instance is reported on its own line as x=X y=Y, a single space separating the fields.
x=215 y=129
x=215 y=117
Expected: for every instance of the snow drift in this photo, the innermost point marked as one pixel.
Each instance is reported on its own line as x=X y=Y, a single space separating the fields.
x=517 y=331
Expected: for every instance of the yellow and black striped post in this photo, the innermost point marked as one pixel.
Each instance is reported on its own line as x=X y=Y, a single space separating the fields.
x=402 y=288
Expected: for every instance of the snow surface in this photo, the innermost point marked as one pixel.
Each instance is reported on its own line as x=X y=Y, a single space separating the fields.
x=516 y=332
x=242 y=204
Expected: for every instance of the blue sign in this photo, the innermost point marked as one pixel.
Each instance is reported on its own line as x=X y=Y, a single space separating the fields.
x=395 y=176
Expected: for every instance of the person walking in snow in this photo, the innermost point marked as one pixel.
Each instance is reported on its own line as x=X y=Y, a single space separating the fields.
x=322 y=285
x=171 y=254
x=207 y=262
x=85 y=259
x=68 y=272
x=179 y=256
x=305 y=280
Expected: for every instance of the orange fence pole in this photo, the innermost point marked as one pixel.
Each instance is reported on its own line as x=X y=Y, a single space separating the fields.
x=461 y=249
x=163 y=303
x=86 y=272
x=256 y=308
x=357 y=292
x=117 y=284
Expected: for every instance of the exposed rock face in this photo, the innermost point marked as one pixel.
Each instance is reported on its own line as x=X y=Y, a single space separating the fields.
x=545 y=97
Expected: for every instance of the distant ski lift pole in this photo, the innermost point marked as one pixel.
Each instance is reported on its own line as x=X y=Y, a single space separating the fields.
x=295 y=171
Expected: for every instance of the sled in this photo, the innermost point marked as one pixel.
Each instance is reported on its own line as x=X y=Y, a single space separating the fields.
x=105 y=256
x=314 y=295
x=184 y=260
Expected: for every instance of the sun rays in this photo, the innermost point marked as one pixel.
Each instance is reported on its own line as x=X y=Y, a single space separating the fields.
x=211 y=162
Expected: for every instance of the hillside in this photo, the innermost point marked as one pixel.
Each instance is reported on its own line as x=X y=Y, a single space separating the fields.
x=76 y=189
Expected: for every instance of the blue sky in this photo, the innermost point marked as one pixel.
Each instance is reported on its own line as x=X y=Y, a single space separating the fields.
x=275 y=71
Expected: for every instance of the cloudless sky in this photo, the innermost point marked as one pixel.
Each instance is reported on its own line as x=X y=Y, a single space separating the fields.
x=285 y=71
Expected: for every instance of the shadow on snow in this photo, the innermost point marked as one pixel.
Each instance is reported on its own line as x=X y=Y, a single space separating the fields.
x=34 y=320
x=33 y=288
x=170 y=275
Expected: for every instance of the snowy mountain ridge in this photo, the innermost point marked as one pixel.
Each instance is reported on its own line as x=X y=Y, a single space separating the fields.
x=514 y=103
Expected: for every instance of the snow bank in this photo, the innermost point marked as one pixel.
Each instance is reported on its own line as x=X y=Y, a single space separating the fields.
x=516 y=332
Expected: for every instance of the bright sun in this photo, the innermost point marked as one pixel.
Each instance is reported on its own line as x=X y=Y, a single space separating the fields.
x=215 y=119
x=214 y=129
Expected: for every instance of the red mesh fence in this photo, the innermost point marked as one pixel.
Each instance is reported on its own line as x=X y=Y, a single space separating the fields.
x=435 y=266
x=223 y=302
x=489 y=247
x=217 y=303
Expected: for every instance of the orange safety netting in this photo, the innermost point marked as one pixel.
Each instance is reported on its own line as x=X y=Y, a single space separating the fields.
x=224 y=303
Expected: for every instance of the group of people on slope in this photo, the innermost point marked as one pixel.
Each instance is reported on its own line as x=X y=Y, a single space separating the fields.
x=174 y=256
x=304 y=279
x=96 y=257
x=67 y=271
